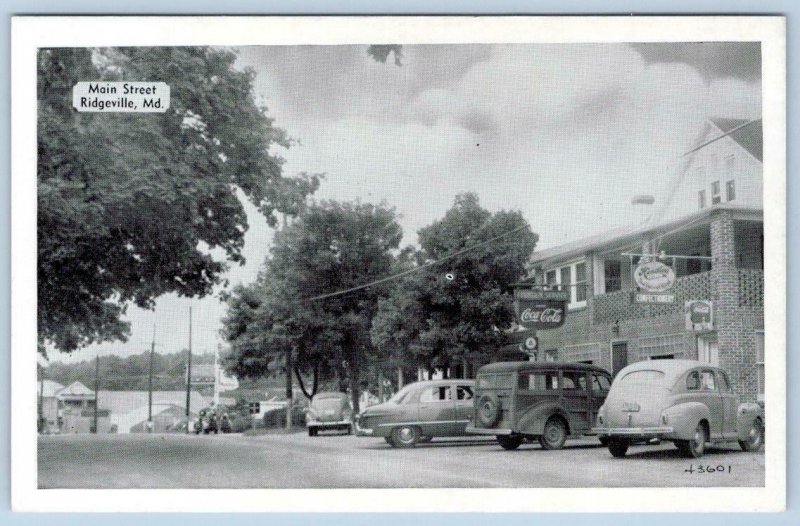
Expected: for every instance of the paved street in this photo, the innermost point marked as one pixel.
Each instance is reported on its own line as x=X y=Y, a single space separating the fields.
x=340 y=461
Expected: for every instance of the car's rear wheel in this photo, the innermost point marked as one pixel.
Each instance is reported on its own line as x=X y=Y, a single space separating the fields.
x=695 y=447
x=617 y=447
x=555 y=433
x=754 y=438
x=510 y=441
x=405 y=436
x=604 y=440
x=389 y=440
x=312 y=431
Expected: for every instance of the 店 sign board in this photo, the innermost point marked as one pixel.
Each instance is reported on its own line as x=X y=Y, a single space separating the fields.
x=650 y=298
x=699 y=315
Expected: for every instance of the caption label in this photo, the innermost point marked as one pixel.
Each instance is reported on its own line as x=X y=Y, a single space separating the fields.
x=114 y=97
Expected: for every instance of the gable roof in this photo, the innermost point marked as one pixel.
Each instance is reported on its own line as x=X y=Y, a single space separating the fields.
x=75 y=389
x=749 y=134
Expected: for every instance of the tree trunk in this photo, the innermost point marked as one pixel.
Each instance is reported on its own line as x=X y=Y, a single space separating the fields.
x=380 y=386
x=400 y=380
x=354 y=390
x=289 y=389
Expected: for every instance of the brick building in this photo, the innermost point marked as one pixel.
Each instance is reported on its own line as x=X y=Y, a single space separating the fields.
x=710 y=234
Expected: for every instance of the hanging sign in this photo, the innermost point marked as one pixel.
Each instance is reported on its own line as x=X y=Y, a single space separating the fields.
x=543 y=314
x=699 y=315
x=654 y=276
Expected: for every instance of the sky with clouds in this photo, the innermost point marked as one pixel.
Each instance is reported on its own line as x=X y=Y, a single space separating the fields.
x=566 y=133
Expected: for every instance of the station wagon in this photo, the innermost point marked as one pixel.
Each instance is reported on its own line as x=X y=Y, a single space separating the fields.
x=543 y=401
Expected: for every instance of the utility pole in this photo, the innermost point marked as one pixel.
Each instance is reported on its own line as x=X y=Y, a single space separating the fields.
x=189 y=374
x=96 y=387
x=150 y=384
x=289 y=389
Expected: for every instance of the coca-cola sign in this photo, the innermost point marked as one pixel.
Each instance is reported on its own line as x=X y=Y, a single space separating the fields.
x=542 y=314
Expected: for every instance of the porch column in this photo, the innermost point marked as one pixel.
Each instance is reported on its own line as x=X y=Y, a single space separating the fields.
x=728 y=321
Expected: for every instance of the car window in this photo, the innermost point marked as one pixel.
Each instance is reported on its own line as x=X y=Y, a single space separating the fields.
x=440 y=393
x=600 y=382
x=495 y=381
x=693 y=381
x=724 y=384
x=574 y=380
x=539 y=381
x=644 y=376
x=463 y=392
x=707 y=381
x=402 y=396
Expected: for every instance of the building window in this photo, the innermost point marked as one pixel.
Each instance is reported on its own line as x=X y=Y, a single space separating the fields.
x=730 y=190
x=760 y=363
x=551 y=355
x=701 y=198
x=716 y=196
x=580 y=282
x=572 y=279
x=613 y=276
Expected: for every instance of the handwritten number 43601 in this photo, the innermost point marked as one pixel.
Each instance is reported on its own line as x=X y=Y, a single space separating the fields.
x=707 y=469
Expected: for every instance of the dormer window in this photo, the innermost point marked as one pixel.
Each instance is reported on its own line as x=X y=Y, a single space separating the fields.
x=730 y=190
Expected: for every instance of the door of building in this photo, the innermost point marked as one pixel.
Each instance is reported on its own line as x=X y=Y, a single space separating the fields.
x=707 y=349
x=619 y=356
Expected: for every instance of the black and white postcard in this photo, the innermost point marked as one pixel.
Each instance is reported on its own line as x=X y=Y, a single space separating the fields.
x=398 y=263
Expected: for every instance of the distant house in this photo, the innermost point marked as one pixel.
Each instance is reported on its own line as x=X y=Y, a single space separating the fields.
x=48 y=405
x=76 y=413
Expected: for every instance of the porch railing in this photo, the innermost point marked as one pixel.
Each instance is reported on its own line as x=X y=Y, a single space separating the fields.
x=617 y=306
x=751 y=287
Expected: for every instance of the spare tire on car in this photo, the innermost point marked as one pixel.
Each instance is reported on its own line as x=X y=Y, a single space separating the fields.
x=489 y=409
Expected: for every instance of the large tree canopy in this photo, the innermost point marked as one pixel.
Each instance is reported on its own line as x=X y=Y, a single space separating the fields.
x=330 y=247
x=451 y=310
x=133 y=205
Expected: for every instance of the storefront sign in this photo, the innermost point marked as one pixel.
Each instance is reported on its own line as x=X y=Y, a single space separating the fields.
x=538 y=294
x=654 y=276
x=699 y=315
x=648 y=298
x=544 y=314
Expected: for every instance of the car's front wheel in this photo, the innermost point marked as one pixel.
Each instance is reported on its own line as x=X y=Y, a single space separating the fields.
x=695 y=447
x=555 y=434
x=617 y=447
x=405 y=436
x=604 y=440
x=754 y=438
x=510 y=441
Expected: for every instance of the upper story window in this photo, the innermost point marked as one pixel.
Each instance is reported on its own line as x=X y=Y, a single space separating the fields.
x=716 y=194
x=701 y=198
x=571 y=278
x=730 y=190
x=613 y=276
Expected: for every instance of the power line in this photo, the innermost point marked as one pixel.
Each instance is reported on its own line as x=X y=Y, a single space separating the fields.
x=415 y=269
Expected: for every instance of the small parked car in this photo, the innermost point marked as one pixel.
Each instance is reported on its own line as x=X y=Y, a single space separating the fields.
x=687 y=402
x=329 y=410
x=545 y=401
x=419 y=412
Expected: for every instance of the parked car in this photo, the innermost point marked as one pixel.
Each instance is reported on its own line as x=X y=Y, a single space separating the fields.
x=419 y=412
x=684 y=401
x=329 y=410
x=545 y=401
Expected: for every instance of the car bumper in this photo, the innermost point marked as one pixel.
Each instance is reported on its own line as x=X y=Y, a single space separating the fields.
x=487 y=431
x=322 y=425
x=651 y=432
